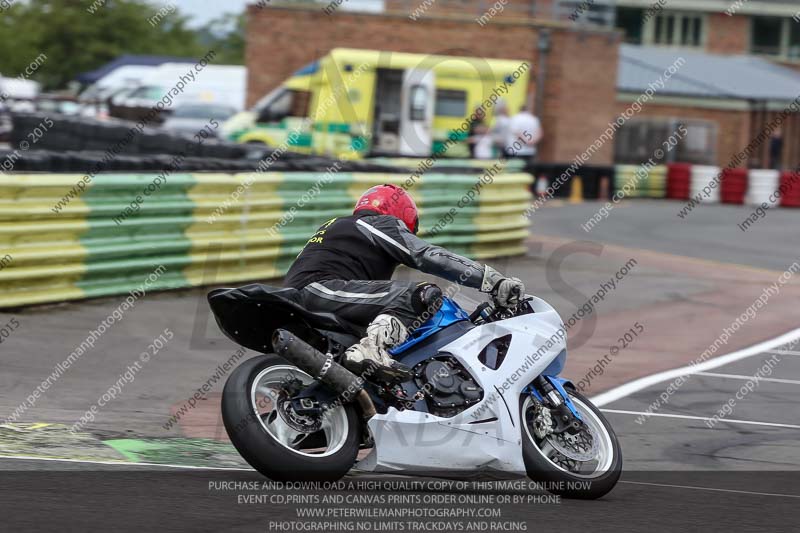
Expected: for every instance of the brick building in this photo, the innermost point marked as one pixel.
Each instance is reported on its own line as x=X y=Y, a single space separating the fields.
x=578 y=84
x=726 y=91
x=574 y=90
x=767 y=28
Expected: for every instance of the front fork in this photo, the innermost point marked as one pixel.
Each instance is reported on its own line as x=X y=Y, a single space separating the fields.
x=550 y=390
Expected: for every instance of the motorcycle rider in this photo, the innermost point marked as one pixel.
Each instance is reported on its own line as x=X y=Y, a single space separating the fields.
x=346 y=267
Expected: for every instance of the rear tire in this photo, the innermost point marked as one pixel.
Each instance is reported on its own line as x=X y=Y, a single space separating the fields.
x=248 y=431
x=558 y=480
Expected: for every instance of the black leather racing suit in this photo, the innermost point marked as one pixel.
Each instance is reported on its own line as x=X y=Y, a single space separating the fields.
x=347 y=265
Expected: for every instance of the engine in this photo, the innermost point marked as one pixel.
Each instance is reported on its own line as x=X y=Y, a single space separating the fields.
x=447 y=386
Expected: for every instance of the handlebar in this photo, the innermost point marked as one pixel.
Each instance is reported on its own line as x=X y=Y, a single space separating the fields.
x=478 y=310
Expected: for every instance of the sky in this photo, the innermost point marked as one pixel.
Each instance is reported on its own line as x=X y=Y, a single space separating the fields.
x=204 y=10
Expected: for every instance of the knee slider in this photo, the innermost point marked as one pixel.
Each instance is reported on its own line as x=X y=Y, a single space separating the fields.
x=426 y=300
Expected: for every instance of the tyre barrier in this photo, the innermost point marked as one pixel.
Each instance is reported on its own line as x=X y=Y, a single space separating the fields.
x=62 y=133
x=443 y=164
x=637 y=181
x=679 y=176
x=790 y=189
x=86 y=162
x=703 y=184
x=210 y=228
x=733 y=185
x=707 y=184
x=762 y=186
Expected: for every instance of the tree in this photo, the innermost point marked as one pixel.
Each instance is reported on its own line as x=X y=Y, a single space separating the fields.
x=226 y=36
x=75 y=40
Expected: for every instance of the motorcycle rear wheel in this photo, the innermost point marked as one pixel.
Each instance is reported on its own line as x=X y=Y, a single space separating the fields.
x=267 y=432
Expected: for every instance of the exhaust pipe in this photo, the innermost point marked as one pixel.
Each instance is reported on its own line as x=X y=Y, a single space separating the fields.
x=323 y=368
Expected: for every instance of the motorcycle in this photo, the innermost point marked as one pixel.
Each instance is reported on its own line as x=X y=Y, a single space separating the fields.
x=485 y=396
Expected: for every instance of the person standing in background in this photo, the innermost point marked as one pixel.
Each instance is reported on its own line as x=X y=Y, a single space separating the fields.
x=477 y=130
x=480 y=138
x=776 y=149
x=484 y=146
x=525 y=132
x=501 y=129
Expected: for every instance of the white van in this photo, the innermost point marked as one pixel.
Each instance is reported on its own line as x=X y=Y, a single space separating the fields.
x=19 y=95
x=222 y=85
x=119 y=78
x=214 y=84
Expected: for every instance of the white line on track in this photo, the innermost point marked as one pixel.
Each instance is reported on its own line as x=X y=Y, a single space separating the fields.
x=702 y=418
x=748 y=378
x=637 y=385
x=120 y=463
x=712 y=489
x=785 y=352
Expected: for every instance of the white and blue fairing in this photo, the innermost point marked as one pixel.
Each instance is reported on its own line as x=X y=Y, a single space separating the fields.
x=486 y=435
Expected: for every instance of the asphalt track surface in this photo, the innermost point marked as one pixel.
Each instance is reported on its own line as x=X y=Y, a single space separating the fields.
x=740 y=474
x=708 y=232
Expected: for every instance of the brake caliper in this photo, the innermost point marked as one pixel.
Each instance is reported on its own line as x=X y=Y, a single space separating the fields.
x=542 y=421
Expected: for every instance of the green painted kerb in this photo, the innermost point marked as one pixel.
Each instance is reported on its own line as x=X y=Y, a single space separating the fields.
x=179 y=451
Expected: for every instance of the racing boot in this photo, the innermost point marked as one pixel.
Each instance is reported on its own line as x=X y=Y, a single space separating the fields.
x=370 y=357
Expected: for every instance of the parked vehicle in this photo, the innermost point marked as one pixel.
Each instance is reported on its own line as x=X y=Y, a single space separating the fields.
x=178 y=83
x=351 y=103
x=193 y=117
x=19 y=95
x=5 y=124
x=119 y=78
x=95 y=98
x=57 y=104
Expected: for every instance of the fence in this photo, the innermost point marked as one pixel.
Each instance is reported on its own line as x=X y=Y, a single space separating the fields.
x=216 y=228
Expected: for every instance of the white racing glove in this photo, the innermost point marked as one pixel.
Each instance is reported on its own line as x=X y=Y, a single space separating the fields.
x=506 y=292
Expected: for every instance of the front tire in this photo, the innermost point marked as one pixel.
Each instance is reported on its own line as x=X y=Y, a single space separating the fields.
x=587 y=480
x=265 y=432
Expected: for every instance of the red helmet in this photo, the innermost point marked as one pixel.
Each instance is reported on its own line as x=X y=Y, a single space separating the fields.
x=390 y=200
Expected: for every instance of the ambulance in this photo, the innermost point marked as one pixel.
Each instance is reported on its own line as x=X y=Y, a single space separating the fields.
x=357 y=103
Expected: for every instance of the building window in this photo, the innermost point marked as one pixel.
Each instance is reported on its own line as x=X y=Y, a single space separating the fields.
x=676 y=29
x=690 y=31
x=766 y=35
x=639 y=139
x=700 y=144
x=450 y=103
x=629 y=20
x=775 y=36
x=794 y=40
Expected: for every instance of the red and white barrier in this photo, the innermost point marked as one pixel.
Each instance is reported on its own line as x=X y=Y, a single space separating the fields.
x=761 y=187
x=755 y=187
x=679 y=176
x=703 y=184
x=734 y=185
x=790 y=189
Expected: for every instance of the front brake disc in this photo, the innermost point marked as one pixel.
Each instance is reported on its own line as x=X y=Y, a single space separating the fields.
x=580 y=447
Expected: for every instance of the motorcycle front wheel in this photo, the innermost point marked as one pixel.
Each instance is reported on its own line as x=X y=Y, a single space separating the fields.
x=277 y=441
x=588 y=479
